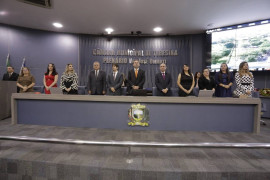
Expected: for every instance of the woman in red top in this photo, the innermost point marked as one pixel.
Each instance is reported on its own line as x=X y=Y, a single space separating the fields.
x=50 y=78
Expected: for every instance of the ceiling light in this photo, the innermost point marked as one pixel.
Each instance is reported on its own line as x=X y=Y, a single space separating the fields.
x=58 y=25
x=2 y=13
x=109 y=30
x=264 y=22
x=157 y=29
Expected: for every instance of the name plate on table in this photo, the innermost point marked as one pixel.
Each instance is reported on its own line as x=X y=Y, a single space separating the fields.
x=138 y=115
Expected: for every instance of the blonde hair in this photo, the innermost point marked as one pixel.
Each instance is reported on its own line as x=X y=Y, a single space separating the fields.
x=242 y=71
x=66 y=70
x=29 y=73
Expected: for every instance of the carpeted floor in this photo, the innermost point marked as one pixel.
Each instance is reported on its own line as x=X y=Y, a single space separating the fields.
x=32 y=160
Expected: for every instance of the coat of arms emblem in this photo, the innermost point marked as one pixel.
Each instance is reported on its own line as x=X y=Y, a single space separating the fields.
x=138 y=115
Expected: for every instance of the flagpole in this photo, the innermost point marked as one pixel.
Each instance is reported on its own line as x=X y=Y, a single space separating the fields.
x=7 y=61
x=22 y=66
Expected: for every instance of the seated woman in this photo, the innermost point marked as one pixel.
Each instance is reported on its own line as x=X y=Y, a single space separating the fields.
x=26 y=81
x=224 y=81
x=69 y=81
x=50 y=78
x=196 y=79
x=185 y=82
x=206 y=82
x=244 y=81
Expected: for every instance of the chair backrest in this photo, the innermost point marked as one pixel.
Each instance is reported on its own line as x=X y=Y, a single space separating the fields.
x=123 y=91
x=139 y=92
x=56 y=90
x=196 y=91
x=154 y=91
x=82 y=90
x=38 y=89
x=263 y=107
x=255 y=94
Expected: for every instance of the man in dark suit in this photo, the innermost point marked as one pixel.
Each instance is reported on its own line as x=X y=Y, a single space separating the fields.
x=163 y=81
x=10 y=75
x=136 y=77
x=96 y=80
x=114 y=81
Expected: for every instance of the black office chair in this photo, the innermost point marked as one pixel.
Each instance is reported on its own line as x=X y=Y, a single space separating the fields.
x=256 y=94
x=263 y=109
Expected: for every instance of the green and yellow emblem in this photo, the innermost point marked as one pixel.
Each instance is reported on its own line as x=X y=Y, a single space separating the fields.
x=138 y=115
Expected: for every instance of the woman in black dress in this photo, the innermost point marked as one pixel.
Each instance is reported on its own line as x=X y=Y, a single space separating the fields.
x=206 y=82
x=69 y=81
x=185 y=82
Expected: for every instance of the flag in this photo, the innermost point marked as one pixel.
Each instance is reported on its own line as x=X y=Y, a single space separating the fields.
x=23 y=65
x=8 y=61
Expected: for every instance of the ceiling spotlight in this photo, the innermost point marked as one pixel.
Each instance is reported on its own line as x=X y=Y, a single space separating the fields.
x=58 y=25
x=264 y=22
x=157 y=29
x=109 y=30
x=2 y=13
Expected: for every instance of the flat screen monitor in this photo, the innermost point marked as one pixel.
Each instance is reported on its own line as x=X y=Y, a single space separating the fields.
x=232 y=46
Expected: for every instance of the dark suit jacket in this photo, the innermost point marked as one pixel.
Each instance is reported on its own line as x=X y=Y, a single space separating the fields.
x=116 y=84
x=96 y=85
x=163 y=84
x=13 y=77
x=133 y=81
x=206 y=84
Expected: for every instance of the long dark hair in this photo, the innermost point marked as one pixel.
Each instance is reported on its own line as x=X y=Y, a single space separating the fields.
x=53 y=71
x=227 y=72
x=196 y=74
x=183 y=72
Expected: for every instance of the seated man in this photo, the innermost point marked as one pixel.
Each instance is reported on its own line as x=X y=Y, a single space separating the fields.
x=136 y=78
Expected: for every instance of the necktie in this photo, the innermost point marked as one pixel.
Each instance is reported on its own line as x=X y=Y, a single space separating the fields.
x=136 y=73
x=96 y=74
x=9 y=75
x=163 y=75
x=114 y=76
